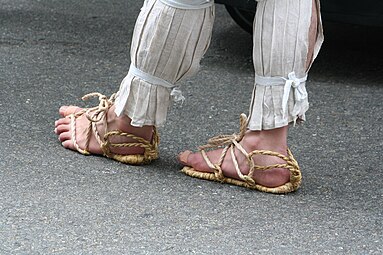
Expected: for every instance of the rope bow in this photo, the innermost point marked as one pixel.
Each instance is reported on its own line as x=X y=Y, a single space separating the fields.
x=97 y=113
x=224 y=140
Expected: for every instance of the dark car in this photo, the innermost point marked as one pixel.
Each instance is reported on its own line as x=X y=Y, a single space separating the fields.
x=367 y=12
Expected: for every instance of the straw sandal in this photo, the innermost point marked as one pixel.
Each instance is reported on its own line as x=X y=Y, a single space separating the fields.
x=230 y=143
x=97 y=115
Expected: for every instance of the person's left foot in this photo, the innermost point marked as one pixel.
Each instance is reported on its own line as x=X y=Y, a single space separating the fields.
x=274 y=140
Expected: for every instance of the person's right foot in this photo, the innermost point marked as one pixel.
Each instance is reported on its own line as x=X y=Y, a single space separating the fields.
x=64 y=131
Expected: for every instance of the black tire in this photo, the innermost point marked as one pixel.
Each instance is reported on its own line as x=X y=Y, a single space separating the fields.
x=244 y=18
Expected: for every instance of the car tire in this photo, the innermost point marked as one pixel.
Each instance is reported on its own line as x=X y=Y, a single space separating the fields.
x=244 y=18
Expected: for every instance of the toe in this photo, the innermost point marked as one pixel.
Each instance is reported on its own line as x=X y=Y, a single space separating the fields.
x=62 y=110
x=194 y=160
x=64 y=136
x=62 y=121
x=67 y=110
x=62 y=128
x=183 y=157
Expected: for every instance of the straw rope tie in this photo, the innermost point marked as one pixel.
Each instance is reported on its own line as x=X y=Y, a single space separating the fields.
x=102 y=107
x=94 y=115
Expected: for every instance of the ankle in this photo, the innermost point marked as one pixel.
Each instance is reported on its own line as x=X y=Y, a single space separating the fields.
x=145 y=132
x=273 y=139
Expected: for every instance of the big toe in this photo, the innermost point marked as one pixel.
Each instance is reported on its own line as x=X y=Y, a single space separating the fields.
x=195 y=160
x=183 y=157
x=67 y=110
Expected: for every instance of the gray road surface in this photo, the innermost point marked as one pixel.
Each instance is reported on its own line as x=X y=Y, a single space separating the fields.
x=55 y=201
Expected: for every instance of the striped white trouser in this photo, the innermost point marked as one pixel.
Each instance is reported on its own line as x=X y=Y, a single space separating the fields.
x=171 y=36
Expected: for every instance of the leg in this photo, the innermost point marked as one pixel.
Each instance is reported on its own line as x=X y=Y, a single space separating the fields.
x=275 y=54
x=164 y=47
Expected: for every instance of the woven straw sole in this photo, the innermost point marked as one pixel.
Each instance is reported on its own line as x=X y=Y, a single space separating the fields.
x=133 y=159
x=286 y=188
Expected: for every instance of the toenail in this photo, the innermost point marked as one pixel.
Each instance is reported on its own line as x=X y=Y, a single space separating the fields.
x=183 y=157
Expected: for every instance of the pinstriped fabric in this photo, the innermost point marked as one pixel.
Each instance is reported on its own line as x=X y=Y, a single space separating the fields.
x=281 y=29
x=167 y=43
x=189 y=4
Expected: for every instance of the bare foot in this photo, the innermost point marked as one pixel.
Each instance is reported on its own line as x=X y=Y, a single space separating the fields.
x=274 y=140
x=64 y=132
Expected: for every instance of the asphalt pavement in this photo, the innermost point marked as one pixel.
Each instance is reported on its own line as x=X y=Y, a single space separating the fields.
x=55 y=201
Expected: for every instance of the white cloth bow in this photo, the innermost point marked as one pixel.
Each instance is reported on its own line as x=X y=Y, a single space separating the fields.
x=300 y=92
